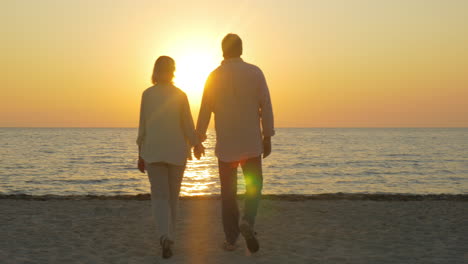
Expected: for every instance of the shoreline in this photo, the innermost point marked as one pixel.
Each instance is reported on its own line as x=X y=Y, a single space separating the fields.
x=281 y=197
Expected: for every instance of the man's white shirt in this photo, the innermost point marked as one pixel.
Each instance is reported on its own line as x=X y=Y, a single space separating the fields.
x=237 y=93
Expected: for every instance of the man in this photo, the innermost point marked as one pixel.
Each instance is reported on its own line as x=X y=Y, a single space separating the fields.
x=237 y=93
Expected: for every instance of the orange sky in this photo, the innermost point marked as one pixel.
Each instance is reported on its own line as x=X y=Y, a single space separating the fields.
x=362 y=63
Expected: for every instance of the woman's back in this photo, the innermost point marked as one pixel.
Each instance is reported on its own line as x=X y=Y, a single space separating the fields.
x=162 y=113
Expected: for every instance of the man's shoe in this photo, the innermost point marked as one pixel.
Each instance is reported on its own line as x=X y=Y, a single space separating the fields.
x=249 y=236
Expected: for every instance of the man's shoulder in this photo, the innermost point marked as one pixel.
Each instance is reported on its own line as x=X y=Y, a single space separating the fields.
x=250 y=65
x=217 y=70
x=242 y=64
x=148 y=90
x=254 y=67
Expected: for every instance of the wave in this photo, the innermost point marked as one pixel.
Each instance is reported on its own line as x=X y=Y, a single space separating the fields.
x=282 y=197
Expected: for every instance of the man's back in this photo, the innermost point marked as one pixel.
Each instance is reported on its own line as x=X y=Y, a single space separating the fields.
x=237 y=93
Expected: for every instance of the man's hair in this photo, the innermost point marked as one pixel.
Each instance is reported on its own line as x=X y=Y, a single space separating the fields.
x=163 y=71
x=232 y=46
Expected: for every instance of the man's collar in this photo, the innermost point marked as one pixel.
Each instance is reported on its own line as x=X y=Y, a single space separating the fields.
x=230 y=60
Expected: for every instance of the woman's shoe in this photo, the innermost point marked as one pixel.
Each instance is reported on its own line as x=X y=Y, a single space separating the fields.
x=166 y=247
x=229 y=247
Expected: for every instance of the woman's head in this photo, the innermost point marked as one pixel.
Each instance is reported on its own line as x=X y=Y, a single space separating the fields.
x=163 y=71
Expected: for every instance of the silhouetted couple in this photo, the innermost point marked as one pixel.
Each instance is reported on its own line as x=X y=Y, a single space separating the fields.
x=237 y=93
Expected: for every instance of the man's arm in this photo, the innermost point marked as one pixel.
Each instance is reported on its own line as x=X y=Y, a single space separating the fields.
x=204 y=115
x=266 y=115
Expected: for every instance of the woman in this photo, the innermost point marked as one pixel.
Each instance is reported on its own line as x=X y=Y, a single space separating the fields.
x=165 y=136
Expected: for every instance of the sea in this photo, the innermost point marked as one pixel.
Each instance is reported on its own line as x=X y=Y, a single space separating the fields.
x=304 y=161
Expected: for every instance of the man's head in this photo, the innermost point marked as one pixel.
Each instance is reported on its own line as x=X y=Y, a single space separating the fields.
x=232 y=46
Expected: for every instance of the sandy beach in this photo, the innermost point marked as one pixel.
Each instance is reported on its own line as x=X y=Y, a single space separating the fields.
x=290 y=230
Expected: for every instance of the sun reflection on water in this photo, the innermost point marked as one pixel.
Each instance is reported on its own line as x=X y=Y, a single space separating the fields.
x=201 y=176
x=197 y=183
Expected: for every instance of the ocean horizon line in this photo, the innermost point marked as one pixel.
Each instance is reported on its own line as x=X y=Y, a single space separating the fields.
x=305 y=127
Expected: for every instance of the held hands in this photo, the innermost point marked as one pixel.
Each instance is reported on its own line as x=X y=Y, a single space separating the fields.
x=266 y=146
x=141 y=164
x=199 y=151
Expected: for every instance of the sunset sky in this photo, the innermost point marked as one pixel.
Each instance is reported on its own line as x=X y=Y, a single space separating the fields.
x=359 y=63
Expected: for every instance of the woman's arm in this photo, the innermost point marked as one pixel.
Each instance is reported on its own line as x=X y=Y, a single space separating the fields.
x=189 y=129
x=141 y=126
x=187 y=123
x=141 y=136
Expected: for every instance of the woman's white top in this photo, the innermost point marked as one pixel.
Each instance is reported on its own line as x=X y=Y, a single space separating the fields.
x=166 y=131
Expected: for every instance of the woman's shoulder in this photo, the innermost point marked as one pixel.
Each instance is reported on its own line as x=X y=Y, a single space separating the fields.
x=172 y=91
x=179 y=91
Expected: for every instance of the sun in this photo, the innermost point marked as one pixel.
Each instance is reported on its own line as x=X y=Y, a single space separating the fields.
x=193 y=65
x=196 y=53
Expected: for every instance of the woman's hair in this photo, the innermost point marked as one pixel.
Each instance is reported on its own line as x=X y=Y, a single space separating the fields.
x=163 y=71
